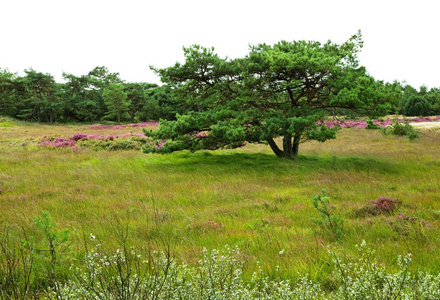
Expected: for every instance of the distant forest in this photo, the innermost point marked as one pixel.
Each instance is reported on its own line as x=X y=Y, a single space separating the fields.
x=102 y=96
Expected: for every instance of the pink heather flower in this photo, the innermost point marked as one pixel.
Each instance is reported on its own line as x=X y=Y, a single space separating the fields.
x=79 y=136
x=143 y=124
x=200 y=135
x=57 y=143
x=160 y=145
x=361 y=124
x=385 y=204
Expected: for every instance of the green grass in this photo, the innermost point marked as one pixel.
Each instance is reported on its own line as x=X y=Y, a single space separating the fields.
x=246 y=197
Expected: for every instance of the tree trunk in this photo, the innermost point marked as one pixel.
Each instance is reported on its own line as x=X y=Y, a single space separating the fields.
x=278 y=152
x=290 y=148
x=287 y=146
x=295 y=146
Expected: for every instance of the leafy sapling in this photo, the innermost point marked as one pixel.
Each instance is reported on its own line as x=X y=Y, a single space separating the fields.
x=329 y=221
x=56 y=242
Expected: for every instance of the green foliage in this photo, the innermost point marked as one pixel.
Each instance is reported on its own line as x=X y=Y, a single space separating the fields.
x=161 y=103
x=37 y=97
x=8 y=99
x=371 y=125
x=116 y=100
x=419 y=103
x=402 y=129
x=417 y=106
x=35 y=265
x=329 y=221
x=366 y=279
x=259 y=224
x=39 y=90
x=132 y=143
x=218 y=274
x=54 y=244
x=136 y=97
x=5 y=123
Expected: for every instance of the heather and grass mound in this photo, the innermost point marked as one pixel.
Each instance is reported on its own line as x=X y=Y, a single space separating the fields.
x=109 y=142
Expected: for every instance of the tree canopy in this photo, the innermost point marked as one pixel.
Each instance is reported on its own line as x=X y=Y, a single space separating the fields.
x=275 y=91
x=85 y=98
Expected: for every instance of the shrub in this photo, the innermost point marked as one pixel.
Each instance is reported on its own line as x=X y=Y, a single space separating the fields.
x=112 y=144
x=125 y=273
x=96 y=141
x=6 y=123
x=219 y=275
x=401 y=129
x=371 y=125
x=385 y=204
x=382 y=205
x=329 y=221
x=417 y=106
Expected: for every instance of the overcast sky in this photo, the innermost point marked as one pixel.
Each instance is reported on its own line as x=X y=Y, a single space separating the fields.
x=401 y=38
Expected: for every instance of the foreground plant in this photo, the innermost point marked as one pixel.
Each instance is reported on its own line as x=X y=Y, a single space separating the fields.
x=218 y=275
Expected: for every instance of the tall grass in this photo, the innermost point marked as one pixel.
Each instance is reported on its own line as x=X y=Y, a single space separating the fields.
x=247 y=198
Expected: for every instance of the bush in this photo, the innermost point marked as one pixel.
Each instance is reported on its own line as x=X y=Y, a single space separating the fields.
x=371 y=125
x=385 y=204
x=218 y=275
x=382 y=205
x=417 y=106
x=132 y=143
x=401 y=129
x=103 y=273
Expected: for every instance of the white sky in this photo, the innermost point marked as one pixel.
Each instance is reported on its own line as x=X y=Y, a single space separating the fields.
x=401 y=38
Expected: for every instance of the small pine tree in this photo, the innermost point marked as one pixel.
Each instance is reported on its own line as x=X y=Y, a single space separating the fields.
x=116 y=100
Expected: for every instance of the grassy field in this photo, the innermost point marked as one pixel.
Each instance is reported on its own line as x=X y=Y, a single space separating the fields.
x=247 y=197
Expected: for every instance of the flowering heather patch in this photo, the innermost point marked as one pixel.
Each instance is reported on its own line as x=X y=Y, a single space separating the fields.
x=424 y=119
x=160 y=145
x=143 y=124
x=111 y=137
x=382 y=205
x=201 y=135
x=58 y=142
x=385 y=204
x=361 y=124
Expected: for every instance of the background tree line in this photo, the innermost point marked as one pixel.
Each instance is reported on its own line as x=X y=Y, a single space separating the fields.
x=97 y=96
x=101 y=95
